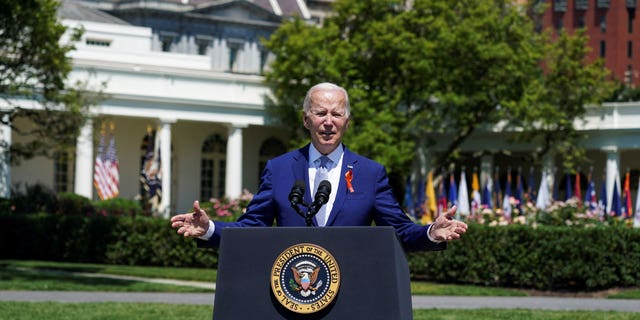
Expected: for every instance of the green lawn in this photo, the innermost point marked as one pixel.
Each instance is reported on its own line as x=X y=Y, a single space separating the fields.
x=142 y=311
x=37 y=275
x=20 y=277
x=191 y=274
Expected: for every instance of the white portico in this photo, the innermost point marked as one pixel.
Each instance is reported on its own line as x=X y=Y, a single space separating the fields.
x=166 y=90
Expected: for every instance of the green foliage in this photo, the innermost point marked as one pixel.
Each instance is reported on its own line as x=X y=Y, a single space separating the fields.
x=72 y=204
x=152 y=242
x=103 y=310
x=114 y=240
x=32 y=199
x=118 y=207
x=571 y=212
x=434 y=73
x=624 y=93
x=39 y=198
x=545 y=258
x=34 y=65
x=225 y=209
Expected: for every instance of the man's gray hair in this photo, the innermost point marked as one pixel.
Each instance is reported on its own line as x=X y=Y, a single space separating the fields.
x=326 y=86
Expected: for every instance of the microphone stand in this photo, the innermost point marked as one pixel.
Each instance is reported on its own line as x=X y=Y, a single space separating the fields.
x=308 y=215
x=322 y=197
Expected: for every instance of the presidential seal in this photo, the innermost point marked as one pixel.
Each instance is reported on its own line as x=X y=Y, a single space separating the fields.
x=305 y=278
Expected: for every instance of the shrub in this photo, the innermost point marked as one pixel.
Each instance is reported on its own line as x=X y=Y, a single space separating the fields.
x=34 y=198
x=151 y=241
x=571 y=212
x=72 y=204
x=118 y=207
x=546 y=258
x=225 y=209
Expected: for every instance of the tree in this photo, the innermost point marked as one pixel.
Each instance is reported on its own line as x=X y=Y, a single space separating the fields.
x=33 y=70
x=429 y=72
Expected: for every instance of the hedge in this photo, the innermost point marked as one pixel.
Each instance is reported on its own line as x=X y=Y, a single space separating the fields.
x=124 y=240
x=547 y=258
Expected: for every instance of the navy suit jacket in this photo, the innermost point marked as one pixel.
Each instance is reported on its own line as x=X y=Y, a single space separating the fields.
x=371 y=200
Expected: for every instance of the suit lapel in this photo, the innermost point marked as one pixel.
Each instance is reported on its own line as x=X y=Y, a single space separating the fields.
x=348 y=162
x=300 y=169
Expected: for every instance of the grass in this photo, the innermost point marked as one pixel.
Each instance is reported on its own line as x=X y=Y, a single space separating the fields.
x=40 y=275
x=190 y=274
x=102 y=310
x=628 y=294
x=435 y=289
x=142 y=311
x=20 y=277
x=29 y=275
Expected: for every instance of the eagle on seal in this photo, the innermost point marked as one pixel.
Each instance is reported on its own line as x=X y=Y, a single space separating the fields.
x=305 y=278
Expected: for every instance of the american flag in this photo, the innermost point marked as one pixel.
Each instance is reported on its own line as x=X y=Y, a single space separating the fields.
x=106 y=172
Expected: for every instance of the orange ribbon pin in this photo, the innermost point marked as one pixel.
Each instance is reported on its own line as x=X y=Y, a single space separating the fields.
x=348 y=177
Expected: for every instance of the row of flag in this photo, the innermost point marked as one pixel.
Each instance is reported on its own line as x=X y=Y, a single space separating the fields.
x=427 y=204
x=106 y=172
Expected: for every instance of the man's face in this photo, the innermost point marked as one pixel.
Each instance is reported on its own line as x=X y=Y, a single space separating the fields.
x=326 y=120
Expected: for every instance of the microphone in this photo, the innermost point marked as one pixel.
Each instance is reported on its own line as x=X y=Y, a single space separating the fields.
x=297 y=193
x=322 y=196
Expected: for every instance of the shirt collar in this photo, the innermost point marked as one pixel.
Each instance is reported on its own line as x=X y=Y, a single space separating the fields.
x=335 y=155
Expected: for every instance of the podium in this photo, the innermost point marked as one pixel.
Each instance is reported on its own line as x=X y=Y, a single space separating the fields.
x=370 y=268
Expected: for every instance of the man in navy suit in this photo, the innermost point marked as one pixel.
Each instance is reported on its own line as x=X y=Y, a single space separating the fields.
x=360 y=192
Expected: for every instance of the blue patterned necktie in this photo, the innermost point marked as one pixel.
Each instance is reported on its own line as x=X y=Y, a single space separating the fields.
x=322 y=173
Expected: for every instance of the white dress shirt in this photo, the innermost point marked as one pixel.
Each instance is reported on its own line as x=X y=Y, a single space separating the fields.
x=334 y=169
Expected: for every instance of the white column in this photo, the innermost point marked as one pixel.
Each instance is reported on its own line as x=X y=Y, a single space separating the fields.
x=613 y=176
x=165 y=163
x=233 y=179
x=84 y=161
x=5 y=157
x=549 y=166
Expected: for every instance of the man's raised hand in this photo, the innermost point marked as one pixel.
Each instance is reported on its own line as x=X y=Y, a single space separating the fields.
x=193 y=224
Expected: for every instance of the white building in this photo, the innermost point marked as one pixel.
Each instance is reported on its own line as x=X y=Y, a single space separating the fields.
x=192 y=71
x=197 y=82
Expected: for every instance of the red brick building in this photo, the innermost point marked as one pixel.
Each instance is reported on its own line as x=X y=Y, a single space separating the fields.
x=612 y=27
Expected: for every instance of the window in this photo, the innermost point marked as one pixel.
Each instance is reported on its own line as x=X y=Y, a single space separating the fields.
x=582 y=4
x=580 y=24
x=213 y=168
x=270 y=149
x=603 y=23
x=629 y=49
x=560 y=5
x=203 y=44
x=202 y=47
x=63 y=177
x=631 y=18
x=235 y=47
x=603 y=48
x=98 y=42
x=166 y=43
x=233 y=56
x=559 y=24
x=264 y=55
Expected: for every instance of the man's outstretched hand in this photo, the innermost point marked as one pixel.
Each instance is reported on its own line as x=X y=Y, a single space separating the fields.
x=446 y=228
x=193 y=224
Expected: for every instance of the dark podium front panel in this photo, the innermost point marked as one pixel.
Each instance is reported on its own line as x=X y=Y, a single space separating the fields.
x=374 y=275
